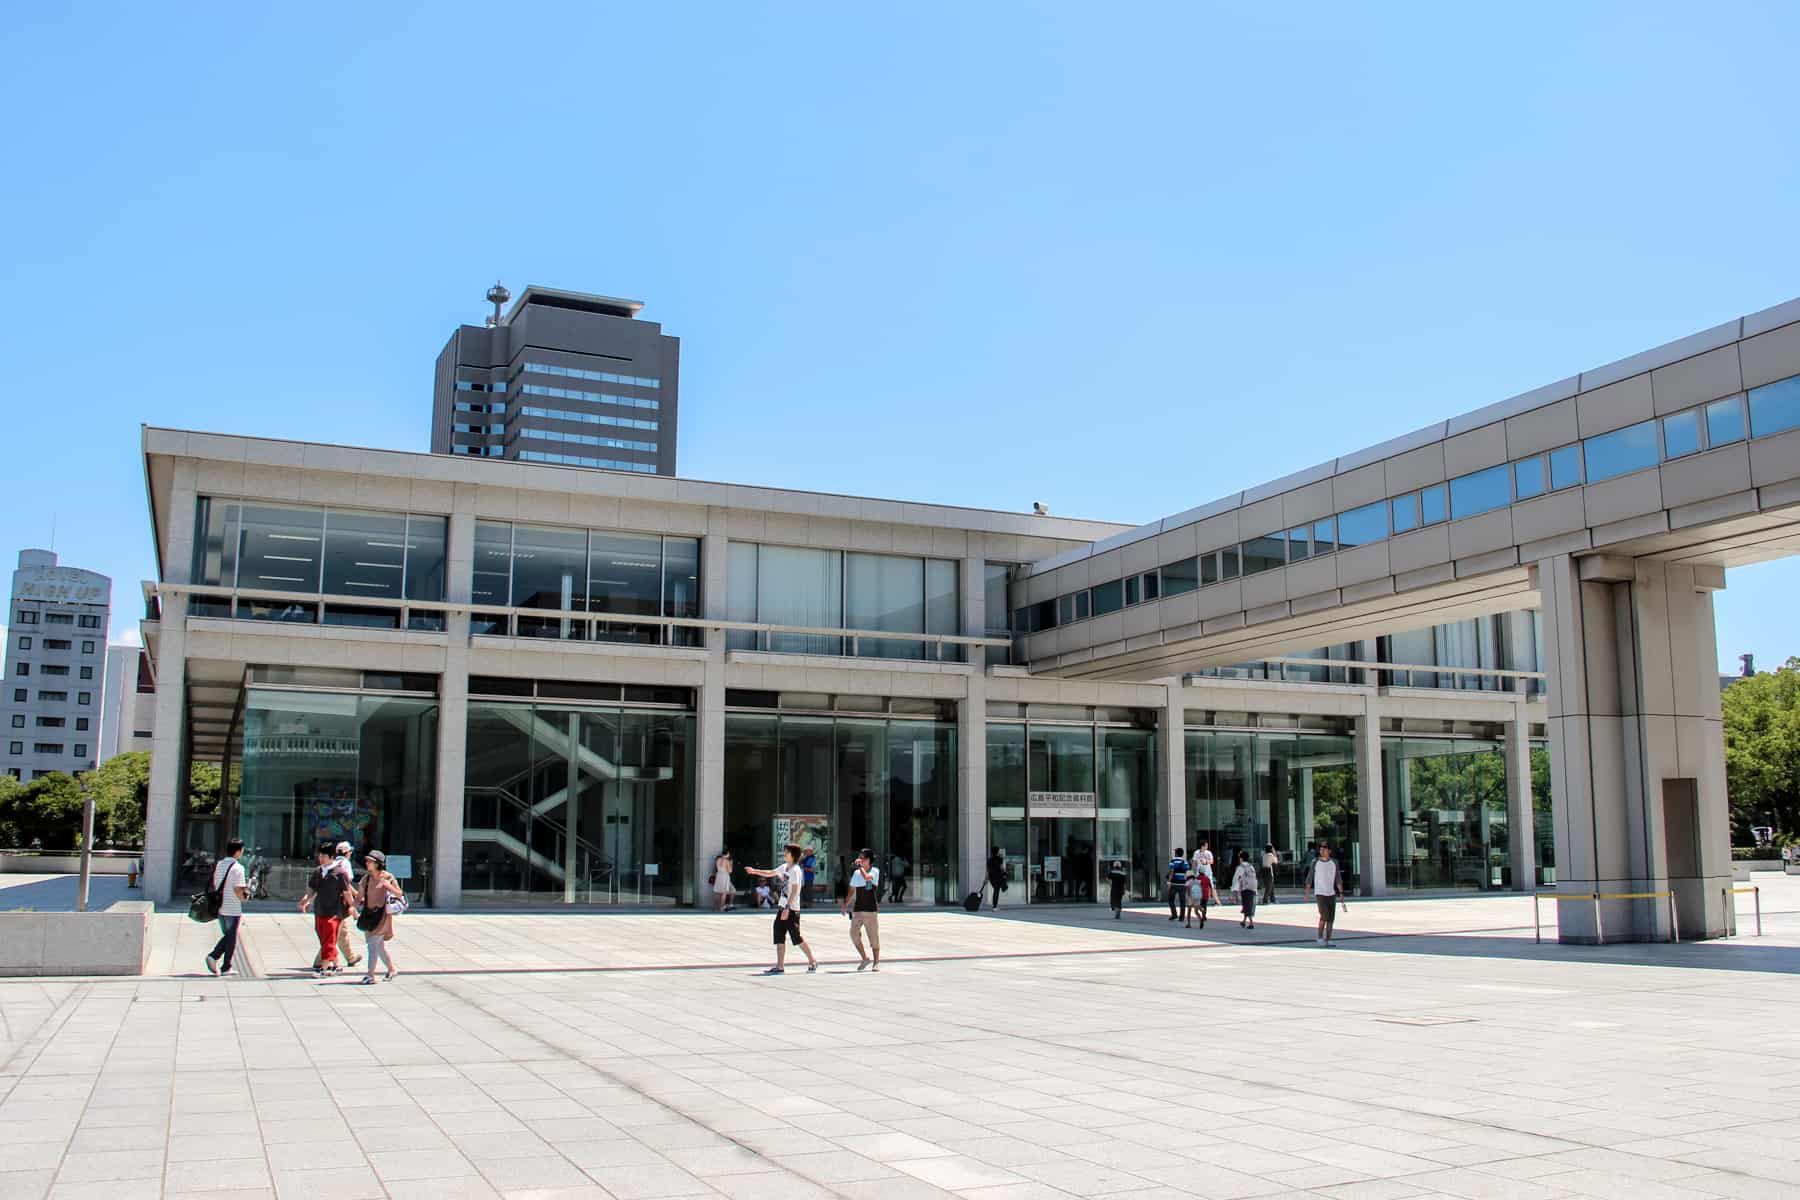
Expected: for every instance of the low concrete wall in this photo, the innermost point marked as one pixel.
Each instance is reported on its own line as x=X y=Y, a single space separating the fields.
x=113 y=942
x=64 y=864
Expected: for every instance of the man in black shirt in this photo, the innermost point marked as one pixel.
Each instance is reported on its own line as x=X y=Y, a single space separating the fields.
x=863 y=905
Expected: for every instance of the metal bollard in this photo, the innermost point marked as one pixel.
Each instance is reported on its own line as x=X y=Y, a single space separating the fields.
x=1599 y=929
x=1674 y=921
x=1756 y=895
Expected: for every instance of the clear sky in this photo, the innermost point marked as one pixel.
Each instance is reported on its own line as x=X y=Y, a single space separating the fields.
x=1121 y=260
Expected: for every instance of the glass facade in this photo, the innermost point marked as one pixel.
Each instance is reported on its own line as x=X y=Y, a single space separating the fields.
x=837 y=589
x=836 y=784
x=319 y=766
x=1247 y=790
x=567 y=804
x=1053 y=851
x=1446 y=812
x=580 y=570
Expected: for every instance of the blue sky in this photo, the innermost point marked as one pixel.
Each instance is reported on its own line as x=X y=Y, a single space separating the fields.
x=1120 y=261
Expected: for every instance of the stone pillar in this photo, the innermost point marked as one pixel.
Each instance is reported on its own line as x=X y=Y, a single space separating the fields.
x=453 y=706
x=1521 y=828
x=709 y=722
x=1172 y=798
x=1371 y=803
x=971 y=736
x=168 y=754
x=1637 y=744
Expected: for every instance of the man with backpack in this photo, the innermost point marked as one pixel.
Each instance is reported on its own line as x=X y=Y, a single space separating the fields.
x=229 y=885
x=1175 y=876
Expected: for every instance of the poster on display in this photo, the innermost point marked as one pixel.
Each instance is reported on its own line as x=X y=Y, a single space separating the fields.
x=809 y=831
x=1052 y=869
x=335 y=813
x=400 y=866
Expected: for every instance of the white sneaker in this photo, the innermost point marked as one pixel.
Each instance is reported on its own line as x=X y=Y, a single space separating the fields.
x=1321 y=941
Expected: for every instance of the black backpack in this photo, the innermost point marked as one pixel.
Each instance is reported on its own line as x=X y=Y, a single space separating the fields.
x=204 y=906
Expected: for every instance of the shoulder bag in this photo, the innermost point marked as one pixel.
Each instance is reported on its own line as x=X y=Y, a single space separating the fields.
x=204 y=906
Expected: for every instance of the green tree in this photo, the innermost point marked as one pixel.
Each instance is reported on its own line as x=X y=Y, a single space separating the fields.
x=1762 y=750
x=121 y=790
x=203 y=789
x=44 y=813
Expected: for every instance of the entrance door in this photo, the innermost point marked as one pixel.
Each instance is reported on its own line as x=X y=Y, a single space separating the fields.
x=1062 y=859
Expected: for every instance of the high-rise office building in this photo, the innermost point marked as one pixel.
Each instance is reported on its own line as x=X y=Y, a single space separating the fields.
x=56 y=649
x=561 y=377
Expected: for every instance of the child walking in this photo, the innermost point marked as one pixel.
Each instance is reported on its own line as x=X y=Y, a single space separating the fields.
x=1245 y=884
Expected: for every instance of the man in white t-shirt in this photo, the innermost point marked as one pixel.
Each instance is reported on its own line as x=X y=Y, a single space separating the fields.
x=789 y=880
x=863 y=907
x=228 y=880
x=1325 y=883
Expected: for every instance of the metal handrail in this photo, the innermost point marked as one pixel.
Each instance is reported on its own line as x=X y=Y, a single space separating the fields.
x=1595 y=898
x=1496 y=672
x=569 y=614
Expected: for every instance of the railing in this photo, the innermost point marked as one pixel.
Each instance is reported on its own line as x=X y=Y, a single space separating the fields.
x=517 y=823
x=1596 y=898
x=1408 y=669
x=1727 y=894
x=431 y=616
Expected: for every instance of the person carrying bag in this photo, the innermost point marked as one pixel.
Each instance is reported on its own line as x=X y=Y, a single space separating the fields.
x=381 y=898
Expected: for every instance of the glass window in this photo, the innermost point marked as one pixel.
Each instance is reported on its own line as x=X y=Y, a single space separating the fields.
x=1360 y=526
x=1621 y=451
x=1324 y=535
x=943 y=609
x=1134 y=590
x=215 y=542
x=1480 y=492
x=1081 y=606
x=1264 y=554
x=1065 y=609
x=1181 y=576
x=624 y=573
x=278 y=548
x=1725 y=421
x=1681 y=434
x=1043 y=615
x=549 y=567
x=1298 y=540
x=1229 y=563
x=1209 y=568
x=1406 y=512
x=740 y=593
x=492 y=582
x=87 y=647
x=798 y=586
x=886 y=593
x=1528 y=477
x=681 y=586
x=1431 y=504
x=1152 y=585
x=84 y=697
x=1109 y=597
x=425 y=538
x=1565 y=467
x=365 y=554
x=1775 y=407
x=24 y=642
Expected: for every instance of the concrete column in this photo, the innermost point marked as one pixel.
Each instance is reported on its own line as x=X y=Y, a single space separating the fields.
x=709 y=723
x=1172 y=798
x=971 y=736
x=453 y=705
x=168 y=755
x=1371 y=803
x=452 y=761
x=1637 y=744
x=1520 y=826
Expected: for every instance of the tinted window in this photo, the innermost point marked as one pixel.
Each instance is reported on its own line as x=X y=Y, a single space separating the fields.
x=1297 y=543
x=1481 y=492
x=1565 y=467
x=1228 y=563
x=1621 y=451
x=365 y=554
x=1179 y=577
x=1081 y=606
x=1264 y=553
x=1775 y=407
x=1528 y=478
x=1209 y=568
x=1152 y=588
x=1406 y=513
x=1065 y=609
x=1360 y=526
x=1681 y=434
x=1134 y=589
x=1431 y=500
x=1324 y=536
x=1725 y=421
x=1108 y=597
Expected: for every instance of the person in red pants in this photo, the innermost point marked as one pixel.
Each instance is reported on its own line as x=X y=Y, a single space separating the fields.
x=329 y=897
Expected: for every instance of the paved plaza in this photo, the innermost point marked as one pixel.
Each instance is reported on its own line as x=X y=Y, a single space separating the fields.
x=1436 y=1052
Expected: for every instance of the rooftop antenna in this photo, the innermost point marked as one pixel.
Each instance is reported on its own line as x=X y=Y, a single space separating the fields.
x=497 y=296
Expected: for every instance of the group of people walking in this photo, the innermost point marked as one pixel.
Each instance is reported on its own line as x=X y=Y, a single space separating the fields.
x=335 y=897
x=861 y=903
x=1188 y=879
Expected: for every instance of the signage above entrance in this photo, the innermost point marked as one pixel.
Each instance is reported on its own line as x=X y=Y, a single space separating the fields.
x=1063 y=804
